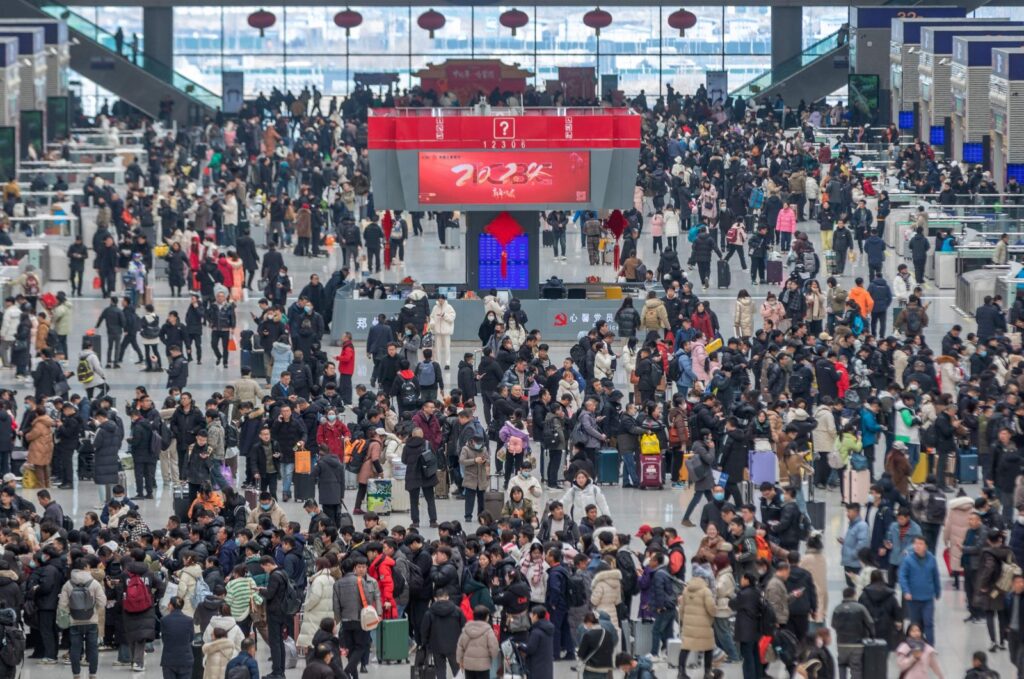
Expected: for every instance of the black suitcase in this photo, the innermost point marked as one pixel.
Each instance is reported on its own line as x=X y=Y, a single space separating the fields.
x=304 y=487
x=724 y=274
x=773 y=269
x=547 y=238
x=181 y=502
x=816 y=512
x=97 y=345
x=259 y=371
x=876 y=658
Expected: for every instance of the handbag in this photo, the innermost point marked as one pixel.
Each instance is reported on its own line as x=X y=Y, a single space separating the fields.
x=369 y=619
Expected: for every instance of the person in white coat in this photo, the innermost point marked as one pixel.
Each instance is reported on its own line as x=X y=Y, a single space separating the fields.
x=812 y=190
x=442 y=326
x=230 y=219
x=582 y=493
x=671 y=229
x=319 y=602
x=8 y=327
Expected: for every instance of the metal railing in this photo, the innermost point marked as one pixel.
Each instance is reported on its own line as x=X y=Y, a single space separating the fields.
x=789 y=67
x=147 y=63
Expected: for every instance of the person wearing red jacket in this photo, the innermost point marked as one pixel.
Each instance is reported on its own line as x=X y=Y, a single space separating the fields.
x=382 y=570
x=332 y=433
x=226 y=273
x=346 y=368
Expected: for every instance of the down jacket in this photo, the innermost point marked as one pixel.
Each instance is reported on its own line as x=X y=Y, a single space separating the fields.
x=697 y=615
x=477 y=647
x=606 y=591
x=955 y=530
x=319 y=605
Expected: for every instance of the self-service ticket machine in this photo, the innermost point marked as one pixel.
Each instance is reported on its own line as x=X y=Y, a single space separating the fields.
x=32 y=70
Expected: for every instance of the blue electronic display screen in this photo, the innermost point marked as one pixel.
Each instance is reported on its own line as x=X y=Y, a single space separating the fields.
x=518 y=250
x=973 y=152
x=937 y=136
x=907 y=120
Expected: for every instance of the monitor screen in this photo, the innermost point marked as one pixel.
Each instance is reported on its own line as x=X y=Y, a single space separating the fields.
x=517 y=265
x=519 y=177
x=32 y=133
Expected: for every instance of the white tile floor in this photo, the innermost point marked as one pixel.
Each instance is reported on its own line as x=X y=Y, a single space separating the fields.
x=956 y=641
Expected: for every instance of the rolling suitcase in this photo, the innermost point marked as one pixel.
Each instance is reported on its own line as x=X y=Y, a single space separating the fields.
x=378 y=496
x=181 y=502
x=876 y=658
x=675 y=646
x=967 y=470
x=252 y=496
x=856 y=485
x=724 y=274
x=97 y=345
x=494 y=499
x=815 y=509
x=442 y=489
x=642 y=636
x=773 y=269
x=393 y=640
x=763 y=466
x=608 y=466
x=650 y=472
x=830 y=263
x=259 y=371
x=303 y=487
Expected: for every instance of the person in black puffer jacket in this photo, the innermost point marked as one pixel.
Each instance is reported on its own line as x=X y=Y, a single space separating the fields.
x=701 y=255
x=11 y=595
x=442 y=626
x=627 y=318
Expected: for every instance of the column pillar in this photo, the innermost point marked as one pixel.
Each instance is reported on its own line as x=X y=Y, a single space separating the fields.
x=158 y=34
x=787 y=34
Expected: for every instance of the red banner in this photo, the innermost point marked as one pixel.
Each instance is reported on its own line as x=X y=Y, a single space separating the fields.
x=508 y=178
x=610 y=129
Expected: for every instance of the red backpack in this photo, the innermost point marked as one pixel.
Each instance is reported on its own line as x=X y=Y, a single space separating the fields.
x=137 y=596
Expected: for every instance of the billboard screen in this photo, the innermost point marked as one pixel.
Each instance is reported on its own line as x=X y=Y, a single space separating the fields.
x=503 y=178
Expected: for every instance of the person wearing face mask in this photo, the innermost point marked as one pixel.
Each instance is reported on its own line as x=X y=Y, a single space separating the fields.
x=715 y=509
x=527 y=482
x=307 y=327
x=266 y=506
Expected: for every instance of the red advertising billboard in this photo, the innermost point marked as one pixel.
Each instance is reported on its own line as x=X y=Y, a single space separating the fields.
x=506 y=178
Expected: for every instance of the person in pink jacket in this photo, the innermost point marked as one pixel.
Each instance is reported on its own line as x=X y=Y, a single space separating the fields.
x=772 y=310
x=697 y=355
x=657 y=230
x=785 y=225
x=915 y=656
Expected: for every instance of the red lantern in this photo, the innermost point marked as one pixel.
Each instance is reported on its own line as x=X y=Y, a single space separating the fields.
x=681 y=20
x=597 y=19
x=431 y=21
x=348 y=19
x=262 y=20
x=514 y=18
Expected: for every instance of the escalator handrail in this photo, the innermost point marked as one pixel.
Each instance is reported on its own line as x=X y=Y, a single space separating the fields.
x=790 y=66
x=146 y=62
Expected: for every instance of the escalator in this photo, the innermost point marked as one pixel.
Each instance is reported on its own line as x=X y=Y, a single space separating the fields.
x=144 y=84
x=818 y=71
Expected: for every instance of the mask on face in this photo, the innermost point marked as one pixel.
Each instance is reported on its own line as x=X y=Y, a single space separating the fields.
x=525 y=475
x=331 y=417
x=264 y=507
x=309 y=310
x=719 y=496
x=119 y=498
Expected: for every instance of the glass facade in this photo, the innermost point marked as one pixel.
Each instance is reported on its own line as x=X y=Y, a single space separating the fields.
x=304 y=47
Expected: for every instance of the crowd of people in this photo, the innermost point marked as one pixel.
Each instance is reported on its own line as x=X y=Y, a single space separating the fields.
x=522 y=437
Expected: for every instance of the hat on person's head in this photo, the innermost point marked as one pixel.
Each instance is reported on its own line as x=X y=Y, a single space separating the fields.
x=824 y=337
x=8 y=477
x=643 y=530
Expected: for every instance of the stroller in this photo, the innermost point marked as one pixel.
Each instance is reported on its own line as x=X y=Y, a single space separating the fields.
x=805 y=268
x=512 y=660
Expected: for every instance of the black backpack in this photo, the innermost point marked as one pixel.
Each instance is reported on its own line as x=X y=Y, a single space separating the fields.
x=230 y=436
x=578 y=355
x=935 y=507
x=575 y=591
x=428 y=462
x=674 y=371
x=767 y=620
x=239 y=671
x=408 y=393
x=12 y=639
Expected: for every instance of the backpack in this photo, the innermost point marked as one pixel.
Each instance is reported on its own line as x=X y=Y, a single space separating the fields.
x=808 y=260
x=677 y=586
x=200 y=593
x=764 y=550
x=691 y=235
x=84 y=371
x=81 y=603
x=356 y=461
x=578 y=354
x=137 y=596
x=767 y=620
x=416 y=581
x=399 y=583
x=935 y=507
x=1008 y=570
x=928 y=436
x=913 y=321
x=428 y=463
x=12 y=639
x=649 y=444
x=425 y=374
x=550 y=434
x=858 y=462
x=165 y=435
x=576 y=591
x=67 y=523
x=798 y=383
x=805 y=526
x=732 y=235
x=756 y=198
x=858 y=324
x=651 y=316
x=309 y=557
x=292 y=599
x=230 y=436
x=408 y=393
x=678 y=547
x=239 y=671
x=675 y=371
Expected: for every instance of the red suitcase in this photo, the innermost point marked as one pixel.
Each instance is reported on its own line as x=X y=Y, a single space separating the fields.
x=650 y=471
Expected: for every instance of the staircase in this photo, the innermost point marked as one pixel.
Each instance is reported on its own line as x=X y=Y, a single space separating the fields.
x=818 y=71
x=143 y=84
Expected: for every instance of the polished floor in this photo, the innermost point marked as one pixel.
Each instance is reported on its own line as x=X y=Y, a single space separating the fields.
x=630 y=508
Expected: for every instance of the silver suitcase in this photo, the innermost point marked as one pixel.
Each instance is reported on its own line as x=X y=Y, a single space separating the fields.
x=642 y=636
x=675 y=647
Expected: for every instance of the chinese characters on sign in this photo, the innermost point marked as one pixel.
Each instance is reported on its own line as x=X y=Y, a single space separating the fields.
x=508 y=178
